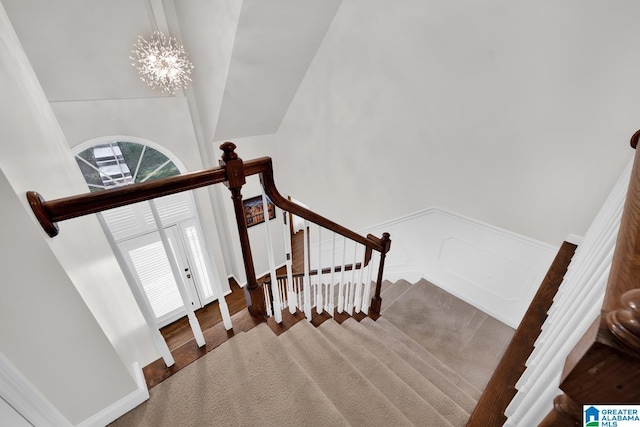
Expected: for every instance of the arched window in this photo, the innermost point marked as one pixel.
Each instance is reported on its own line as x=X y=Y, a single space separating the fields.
x=107 y=163
x=117 y=161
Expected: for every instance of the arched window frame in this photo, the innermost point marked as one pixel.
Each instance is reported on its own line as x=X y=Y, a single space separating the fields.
x=76 y=150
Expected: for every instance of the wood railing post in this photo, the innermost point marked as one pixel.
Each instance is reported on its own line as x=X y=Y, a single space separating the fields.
x=376 y=301
x=235 y=175
x=565 y=412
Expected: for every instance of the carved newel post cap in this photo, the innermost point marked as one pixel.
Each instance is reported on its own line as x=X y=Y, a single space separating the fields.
x=229 y=153
x=634 y=139
x=624 y=323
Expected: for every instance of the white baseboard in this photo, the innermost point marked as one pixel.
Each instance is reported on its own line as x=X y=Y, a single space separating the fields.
x=122 y=406
x=492 y=269
x=393 y=275
x=26 y=399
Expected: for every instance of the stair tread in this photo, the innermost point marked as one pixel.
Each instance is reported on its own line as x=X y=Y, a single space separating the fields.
x=234 y=377
x=415 y=406
x=409 y=349
x=325 y=364
x=416 y=372
x=394 y=292
x=463 y=337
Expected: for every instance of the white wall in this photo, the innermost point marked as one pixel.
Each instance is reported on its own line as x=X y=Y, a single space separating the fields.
x=9 y=416
x=492 y=269
x=47 y=329
x=515 y=114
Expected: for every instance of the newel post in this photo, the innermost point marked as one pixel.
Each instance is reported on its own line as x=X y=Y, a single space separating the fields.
x=376 y=301
x=234 y=168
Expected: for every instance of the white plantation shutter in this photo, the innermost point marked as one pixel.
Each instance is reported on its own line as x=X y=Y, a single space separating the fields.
x=134 y=220
x=172 y=209
x=127 y=221
x=152 y=267
x=198 y=258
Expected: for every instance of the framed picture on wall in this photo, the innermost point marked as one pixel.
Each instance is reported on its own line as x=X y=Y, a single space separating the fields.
x=254 y=211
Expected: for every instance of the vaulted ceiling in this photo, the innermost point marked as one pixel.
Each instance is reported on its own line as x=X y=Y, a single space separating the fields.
x=250 y=56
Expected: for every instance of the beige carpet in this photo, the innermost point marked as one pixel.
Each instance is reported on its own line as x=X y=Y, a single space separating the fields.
x=384 y=373
x=463 y=337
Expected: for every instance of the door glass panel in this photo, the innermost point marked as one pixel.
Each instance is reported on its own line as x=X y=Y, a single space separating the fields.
x=198 y=262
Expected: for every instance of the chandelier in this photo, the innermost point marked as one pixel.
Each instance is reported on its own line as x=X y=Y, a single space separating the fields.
x=162 y=63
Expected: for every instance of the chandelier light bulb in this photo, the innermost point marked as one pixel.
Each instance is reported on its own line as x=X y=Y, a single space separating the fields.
x=162 y=63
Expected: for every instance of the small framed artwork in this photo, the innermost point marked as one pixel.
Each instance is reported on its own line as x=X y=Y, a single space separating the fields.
x=254 y=211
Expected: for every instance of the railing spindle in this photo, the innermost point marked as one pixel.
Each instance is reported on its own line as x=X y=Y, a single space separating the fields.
x=331 y=302
x=141 y=299
x=341 y=284
x=177 y=275
x=352 y=284
x=367 y=286
x=275 y=294
x=360 y=285
x=319 y=296
x=306 y=283
x=292 y=295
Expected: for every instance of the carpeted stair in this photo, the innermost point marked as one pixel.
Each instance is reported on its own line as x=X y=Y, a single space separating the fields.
x=367 y=373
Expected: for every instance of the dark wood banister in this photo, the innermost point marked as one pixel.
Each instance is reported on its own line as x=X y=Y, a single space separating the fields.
x=604 y=367
x=232 y=172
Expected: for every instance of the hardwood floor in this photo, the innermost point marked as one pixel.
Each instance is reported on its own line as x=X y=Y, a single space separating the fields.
x=179 y=332
x=179 y=336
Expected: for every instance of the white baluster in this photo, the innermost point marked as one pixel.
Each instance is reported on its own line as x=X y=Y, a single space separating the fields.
x=177 y=275
x=142 y=300
x=331 y=299
x=366 y=299
x=359 y=291
x=277 y=306
x=319 y=299
x=292 y=295
x=306 y=283
x=283 y=292
x=298 y=281
x=267 y=300
x=341 y=282
x=352 y=284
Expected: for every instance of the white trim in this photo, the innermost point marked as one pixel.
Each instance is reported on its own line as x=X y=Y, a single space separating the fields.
x=493 y=269
x=122 y=406
x=268 y=271
x=410 y=276
x=574 y=239
x=26 y=399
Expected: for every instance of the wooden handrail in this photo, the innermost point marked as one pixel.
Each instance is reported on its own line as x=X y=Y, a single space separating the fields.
x=52 y=211
x=604 y=367
x=266 y=178
x=232 y=172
